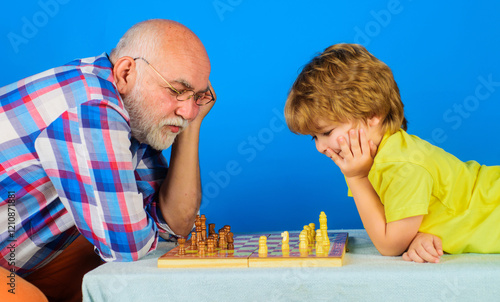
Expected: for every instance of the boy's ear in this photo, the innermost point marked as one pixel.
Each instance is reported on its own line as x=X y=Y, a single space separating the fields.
x=374 y=121
x=125 y=74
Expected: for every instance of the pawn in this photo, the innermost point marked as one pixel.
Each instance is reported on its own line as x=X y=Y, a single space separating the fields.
x=312 y=226
x=308 y=233
x=210 y=245
x=216 y=240
x=201 y=248
x=319 y=249
x=230 y=241
x=304 y=252
x=193 y=241
x=222 y=240
x=182 y=248
x=263 y=246
x=284 y=243
x=303 y=240
x=319 y=239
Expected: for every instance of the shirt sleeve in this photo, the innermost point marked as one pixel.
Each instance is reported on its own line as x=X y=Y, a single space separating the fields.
x=150 y=173
x=86 y=153
x=404 y=189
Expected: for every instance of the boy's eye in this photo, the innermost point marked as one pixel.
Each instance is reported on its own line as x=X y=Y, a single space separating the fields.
x=327 y=133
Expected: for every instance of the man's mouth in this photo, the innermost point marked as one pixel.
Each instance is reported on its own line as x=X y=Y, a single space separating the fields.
x=174 y=129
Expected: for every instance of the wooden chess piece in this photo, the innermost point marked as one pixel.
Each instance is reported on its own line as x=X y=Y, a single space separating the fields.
x=210 y=245
x=312 y=226
x=197 y=224
x=194 y=242
x=303 y=240
x=201 y=248
x=211 y=229
x=182 y=248
x=216 y=240
x=263 y=246
x=230 y=241
x=203 y=227
x=284 y=242
x=222 y=240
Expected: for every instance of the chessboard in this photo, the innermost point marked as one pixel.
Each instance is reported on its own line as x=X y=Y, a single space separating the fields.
x=246 y=254
x=307 y=248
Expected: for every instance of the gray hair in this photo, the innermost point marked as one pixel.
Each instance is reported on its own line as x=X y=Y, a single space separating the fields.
x=139 y=41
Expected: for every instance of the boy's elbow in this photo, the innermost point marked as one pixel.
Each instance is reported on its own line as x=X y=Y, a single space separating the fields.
x=391 y=250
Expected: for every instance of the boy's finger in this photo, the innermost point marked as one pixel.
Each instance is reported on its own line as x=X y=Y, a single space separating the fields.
x=373 y=149
x=406 y=257
x=413 y=256
x=344 y=147
x=355 y=142
x=438 y=244
x=426 y=256
x=431 y=249
x=337 y=159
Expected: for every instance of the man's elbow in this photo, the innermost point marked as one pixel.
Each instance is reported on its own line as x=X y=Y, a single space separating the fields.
x=182 y=224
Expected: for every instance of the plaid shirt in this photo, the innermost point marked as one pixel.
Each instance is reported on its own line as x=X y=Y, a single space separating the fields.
x=69 y=165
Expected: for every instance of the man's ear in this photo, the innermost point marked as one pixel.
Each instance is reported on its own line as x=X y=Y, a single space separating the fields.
x=125 y=74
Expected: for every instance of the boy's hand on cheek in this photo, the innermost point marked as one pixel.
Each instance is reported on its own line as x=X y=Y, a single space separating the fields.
x=356 y=160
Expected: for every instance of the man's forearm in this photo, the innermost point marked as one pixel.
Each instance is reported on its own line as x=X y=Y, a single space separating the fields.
x=180 y=193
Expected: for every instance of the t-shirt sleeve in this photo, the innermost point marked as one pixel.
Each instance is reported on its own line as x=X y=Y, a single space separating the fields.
x=404 y=188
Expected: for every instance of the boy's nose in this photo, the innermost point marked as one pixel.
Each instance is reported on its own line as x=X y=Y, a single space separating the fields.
x=320 y=146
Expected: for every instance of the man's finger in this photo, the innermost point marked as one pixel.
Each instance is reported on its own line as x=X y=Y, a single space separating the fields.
x=213 y=91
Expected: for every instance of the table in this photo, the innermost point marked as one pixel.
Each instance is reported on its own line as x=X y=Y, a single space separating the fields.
x=365 y=276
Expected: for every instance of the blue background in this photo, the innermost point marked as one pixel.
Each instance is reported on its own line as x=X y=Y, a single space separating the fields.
x=257 y=175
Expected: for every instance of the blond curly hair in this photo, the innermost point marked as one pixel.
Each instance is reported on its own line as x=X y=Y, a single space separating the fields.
x=345 y=83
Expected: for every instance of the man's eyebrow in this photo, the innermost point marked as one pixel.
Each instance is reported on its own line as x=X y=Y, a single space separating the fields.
x=188 y=86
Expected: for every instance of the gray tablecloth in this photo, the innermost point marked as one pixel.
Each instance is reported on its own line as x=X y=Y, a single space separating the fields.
x=365 y=276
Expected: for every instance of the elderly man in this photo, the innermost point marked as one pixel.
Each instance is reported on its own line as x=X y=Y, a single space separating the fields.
x=81 y=167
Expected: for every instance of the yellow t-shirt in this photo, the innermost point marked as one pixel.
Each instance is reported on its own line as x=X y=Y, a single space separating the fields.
x=460 y=201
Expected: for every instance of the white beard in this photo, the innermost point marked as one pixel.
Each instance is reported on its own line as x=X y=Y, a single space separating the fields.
x=147 y=125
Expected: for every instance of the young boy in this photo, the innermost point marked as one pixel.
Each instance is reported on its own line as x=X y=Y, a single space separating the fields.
x=410 y=195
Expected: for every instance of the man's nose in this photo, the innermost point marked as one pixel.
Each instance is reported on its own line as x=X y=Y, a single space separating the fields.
x=187 y=109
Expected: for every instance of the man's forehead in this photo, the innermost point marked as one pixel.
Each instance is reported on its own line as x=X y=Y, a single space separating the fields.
x=187 y=85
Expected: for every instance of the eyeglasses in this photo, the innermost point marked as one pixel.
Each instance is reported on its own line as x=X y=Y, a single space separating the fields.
x=200 y=99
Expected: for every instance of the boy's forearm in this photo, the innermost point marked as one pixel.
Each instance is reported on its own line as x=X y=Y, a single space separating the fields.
x=386 y=239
